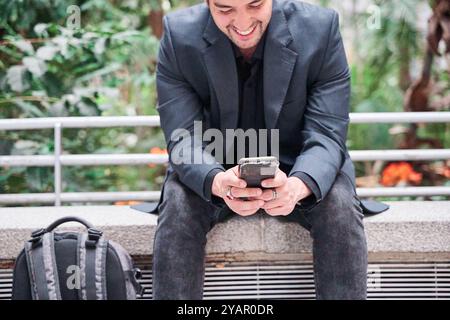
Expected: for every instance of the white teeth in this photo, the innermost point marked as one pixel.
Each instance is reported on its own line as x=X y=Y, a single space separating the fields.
x=246 y=32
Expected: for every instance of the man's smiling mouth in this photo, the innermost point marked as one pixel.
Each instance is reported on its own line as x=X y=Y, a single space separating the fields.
x=245 y=32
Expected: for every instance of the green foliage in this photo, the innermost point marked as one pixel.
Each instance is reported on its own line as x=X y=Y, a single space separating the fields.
x=381 y=72
x=49 y=69
x=384 y=51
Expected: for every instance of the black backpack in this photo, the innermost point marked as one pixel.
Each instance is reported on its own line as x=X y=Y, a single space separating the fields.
x=74 y=266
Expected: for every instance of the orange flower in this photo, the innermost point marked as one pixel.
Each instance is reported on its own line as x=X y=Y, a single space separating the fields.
x=447 y=172
x=156 y=150
x=398 y=172
x=126 y=203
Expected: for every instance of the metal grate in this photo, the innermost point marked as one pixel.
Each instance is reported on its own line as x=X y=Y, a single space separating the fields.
x=385 y=281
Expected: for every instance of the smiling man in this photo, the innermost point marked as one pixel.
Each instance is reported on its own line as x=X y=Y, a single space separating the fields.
x=263 y=65
x=244 y=22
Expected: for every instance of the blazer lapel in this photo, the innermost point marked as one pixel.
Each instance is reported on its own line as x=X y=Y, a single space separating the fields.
x=279 y=62
x=221 y=65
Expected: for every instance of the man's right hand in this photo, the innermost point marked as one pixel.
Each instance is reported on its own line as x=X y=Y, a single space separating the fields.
x=223 y=181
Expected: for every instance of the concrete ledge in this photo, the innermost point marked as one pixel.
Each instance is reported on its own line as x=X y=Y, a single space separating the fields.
x=409 y=230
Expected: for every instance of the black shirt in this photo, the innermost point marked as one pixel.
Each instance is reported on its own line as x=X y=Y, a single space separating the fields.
x=250 y=86
x=251 y=104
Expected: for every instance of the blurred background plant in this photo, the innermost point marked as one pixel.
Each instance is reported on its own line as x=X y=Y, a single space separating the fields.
x=104 y=66
x=392 y=71
x=54 y=64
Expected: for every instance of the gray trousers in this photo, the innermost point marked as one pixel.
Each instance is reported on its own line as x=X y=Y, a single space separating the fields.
x=335 y=225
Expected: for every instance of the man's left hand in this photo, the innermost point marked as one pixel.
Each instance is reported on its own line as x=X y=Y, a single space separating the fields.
x=288 y=190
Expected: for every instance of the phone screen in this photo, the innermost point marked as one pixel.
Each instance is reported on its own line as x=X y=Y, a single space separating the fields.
x=254 y=170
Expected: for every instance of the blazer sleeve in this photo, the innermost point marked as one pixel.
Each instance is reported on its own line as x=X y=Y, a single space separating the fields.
x=326 y=118
x=179 y=106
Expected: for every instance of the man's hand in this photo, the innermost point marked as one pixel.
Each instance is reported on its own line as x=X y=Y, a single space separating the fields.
x=288 y=192
x=229 y=180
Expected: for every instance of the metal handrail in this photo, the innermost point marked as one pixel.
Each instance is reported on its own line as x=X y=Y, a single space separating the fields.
x=58 y=160
x=144 y=158
x=80 y=122
x=24 y=198
x=153 y=121
x=399 y=117
x=83 y=160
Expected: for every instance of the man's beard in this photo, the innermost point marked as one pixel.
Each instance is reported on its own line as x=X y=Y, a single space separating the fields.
x=242 y=44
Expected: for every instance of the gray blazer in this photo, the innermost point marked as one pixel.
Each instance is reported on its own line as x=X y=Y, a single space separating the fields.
x=306 y=88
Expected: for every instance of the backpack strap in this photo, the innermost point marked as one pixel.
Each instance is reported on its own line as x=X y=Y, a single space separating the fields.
x=132 y=276
x=41 y=262
x=81 y=262
x=92 y=248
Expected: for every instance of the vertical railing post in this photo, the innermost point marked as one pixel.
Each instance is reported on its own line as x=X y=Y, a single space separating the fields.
x=57 y=164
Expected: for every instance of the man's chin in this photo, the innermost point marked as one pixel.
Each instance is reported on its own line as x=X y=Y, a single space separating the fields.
x=245 y=45
x=248 y=44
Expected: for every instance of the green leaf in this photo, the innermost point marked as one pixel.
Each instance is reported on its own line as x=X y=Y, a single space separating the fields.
x=46 y=52
x=99 y=47
x=35 y=66
x=25 y=147
x=125 y=35
x=24 y=46
x=15 y=77
x=29 y=109
x=112 y=67
x=41 y=29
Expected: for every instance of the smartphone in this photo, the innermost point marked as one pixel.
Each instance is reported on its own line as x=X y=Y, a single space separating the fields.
x=254 y=170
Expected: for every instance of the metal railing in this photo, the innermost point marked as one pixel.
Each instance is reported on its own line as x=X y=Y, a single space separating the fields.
x=59 y=160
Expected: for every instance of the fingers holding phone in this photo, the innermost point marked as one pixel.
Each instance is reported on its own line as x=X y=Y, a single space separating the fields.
x=232 y=189
x=278 y=192
x=286 y=196
x=272 y=187
x=238 y=200
x=278 y=180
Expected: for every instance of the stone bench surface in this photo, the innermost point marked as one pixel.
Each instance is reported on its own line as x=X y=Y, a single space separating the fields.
x=417 y=228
